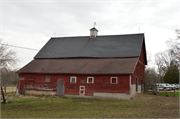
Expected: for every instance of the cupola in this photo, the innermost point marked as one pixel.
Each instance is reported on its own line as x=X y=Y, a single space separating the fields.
x=93 y=32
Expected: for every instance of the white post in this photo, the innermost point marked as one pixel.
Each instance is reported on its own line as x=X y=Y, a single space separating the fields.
x=178 y=84
x=179 y=74
x=17 y=92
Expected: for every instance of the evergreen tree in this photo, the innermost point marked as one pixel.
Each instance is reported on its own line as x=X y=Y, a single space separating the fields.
x=172 y=74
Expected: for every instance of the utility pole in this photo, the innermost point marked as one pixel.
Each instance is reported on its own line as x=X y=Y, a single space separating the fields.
x=179 y=74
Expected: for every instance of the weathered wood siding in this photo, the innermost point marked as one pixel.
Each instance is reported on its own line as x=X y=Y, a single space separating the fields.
x=142 y=57
x=101 y=83
x=140 y=68
x=138 y=73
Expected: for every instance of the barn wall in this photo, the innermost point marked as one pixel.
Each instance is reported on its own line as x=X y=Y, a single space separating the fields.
x=142 y=55
x=138 y=73
x=101 y=83
x=140 y=68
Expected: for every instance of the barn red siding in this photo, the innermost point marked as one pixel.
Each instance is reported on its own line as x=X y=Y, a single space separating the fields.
x=101 y=83
x=138 y=73
x=142 y=57
x=140 y=67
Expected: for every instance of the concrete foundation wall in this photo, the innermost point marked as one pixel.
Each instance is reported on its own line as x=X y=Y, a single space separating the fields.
x=139 y=88
x=104 y=96
x=123 y=96
x=79 y=96
x=133 y=89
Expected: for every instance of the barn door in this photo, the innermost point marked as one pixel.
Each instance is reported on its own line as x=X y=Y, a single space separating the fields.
x=22 y=86
x=60 y=87
x=81 y=90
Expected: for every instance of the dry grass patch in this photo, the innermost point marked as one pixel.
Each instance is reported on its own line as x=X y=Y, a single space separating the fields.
x=142 y=106
x=10 y=89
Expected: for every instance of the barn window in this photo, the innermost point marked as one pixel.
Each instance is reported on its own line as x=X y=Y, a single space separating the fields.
x=114 y=80
x=90 y=79
x=47 y=79
x=73 y=80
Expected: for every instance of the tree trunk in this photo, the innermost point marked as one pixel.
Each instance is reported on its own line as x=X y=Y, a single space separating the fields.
x=5 y=90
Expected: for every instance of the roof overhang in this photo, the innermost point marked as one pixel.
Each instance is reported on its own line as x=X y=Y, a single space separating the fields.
x=81 y=66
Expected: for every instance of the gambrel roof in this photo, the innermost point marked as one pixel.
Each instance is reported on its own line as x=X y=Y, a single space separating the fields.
x=110 y=54
x=106 y=46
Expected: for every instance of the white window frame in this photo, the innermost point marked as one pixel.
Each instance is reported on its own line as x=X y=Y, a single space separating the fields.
x=116 y=80
x=88 y=80
x=73 y=77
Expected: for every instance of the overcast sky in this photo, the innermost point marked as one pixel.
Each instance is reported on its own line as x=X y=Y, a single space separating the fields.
x=31 y=23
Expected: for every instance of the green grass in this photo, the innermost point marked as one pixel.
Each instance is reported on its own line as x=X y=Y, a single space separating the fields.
x=10 y=93
x=11 y=86
x=170 y=95
x=63 y=107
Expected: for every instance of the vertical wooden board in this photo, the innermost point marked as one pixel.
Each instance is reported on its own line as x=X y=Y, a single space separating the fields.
x=22 y=84
x=60 y=87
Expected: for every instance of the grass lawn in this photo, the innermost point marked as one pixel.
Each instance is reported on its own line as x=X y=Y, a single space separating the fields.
x=142 y=106
x=170 y=95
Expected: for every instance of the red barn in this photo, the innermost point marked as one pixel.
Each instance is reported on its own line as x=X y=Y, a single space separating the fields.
x=106 y=66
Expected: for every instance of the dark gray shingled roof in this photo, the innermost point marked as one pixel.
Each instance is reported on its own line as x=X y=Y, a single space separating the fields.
x=93 y=29
x=102 y=46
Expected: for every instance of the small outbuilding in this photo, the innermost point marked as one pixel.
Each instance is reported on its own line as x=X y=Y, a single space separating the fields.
x=99 y=66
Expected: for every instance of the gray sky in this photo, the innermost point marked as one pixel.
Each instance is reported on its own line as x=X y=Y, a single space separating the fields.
x=31 y=23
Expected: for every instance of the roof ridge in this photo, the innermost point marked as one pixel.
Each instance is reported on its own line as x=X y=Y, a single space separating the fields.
x=88 y=58
x=100 y=35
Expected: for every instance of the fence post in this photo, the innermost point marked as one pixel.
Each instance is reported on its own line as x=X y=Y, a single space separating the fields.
x=4 y=100
x=144 y=87
x=174 y=91
x=5 y=90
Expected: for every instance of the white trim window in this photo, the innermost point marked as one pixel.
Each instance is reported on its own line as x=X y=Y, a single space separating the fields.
x=90 y=79
x=73 y=79
x=114 y=80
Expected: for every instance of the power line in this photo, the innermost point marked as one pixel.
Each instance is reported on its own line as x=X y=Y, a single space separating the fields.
x=28 y=48
x=20 y=47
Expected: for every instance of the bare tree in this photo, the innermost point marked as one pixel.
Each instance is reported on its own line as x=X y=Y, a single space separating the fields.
x=8 y=76
x=178 y=33
x=151 y=76
x=8 y=59
x=174 y=47
x=163 y=60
